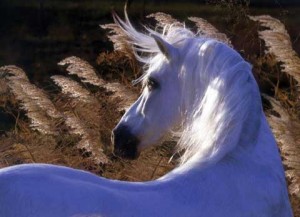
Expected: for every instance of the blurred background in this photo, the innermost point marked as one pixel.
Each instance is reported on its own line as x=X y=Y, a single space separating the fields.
x=36 y=34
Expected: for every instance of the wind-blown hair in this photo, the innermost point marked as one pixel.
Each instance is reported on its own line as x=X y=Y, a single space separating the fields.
x=143 y=43
x=221 y=105
x=222 y=102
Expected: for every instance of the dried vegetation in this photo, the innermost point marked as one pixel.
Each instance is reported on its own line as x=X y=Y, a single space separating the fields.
x=72 y=127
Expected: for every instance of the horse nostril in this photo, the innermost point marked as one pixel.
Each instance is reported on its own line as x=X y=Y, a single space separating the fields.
x=125 y=143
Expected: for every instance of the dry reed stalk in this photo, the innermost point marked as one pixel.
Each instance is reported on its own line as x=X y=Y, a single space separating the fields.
x=88 y=74
x=17 y=72
x=39 y=108
x=278 y=42
x=123 y=95
x=204 y=27
x=79 y=67
x=3 y=86
x=114 y=58
x=164 y=20
x=115 y=61
x=119 y=39
x=85 y=119
x=90 y=138
x=73 y=89
x=86 y=106
x=121 y=44
x=208 y=30
x=286 y=131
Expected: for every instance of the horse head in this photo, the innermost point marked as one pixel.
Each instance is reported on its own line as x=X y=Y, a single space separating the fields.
x=158 y=109
x=196 y=86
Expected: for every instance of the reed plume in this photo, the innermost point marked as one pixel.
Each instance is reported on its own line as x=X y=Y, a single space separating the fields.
x=121 y=44
x=286 y=130
x=119 y=39
x=85 y=71
x=204 y=27
x=79 y=67
x=122 y=95
x=72 y=88
x=164 y=20
x=84 y=117
x=38 y=107
x=278 y=43
x=208 y=30
x=90 y=137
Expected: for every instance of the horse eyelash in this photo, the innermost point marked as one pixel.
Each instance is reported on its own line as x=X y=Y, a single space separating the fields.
x=152 y=83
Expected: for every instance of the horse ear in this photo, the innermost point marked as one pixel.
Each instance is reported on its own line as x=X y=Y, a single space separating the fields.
x=167 y=49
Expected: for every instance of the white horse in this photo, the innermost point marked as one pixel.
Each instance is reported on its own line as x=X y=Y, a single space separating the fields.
x=202 y=91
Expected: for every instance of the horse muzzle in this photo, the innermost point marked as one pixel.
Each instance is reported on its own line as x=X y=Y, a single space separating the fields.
x=125 y=143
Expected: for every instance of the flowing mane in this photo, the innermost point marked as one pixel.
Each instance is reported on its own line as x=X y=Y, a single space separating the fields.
x=230 y=105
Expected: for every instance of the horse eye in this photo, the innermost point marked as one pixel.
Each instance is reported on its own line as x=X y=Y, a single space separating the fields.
x=152 y=84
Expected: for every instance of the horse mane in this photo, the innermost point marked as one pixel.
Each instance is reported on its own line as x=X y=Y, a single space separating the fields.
x=227 y=113
x=222 y=102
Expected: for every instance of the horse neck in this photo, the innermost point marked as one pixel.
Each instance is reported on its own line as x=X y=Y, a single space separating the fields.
x=222 y=103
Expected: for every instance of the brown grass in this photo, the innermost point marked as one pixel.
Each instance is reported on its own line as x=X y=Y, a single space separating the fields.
x=208 y=30
x=39 y=108
x=286 y=130
x=278 y=42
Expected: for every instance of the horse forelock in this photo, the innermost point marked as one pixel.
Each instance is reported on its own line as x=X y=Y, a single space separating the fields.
x=144 y=45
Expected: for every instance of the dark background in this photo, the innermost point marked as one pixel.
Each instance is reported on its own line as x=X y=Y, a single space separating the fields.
x=36 y=34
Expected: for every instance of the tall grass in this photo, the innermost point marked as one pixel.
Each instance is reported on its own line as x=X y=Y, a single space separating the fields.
x=86 y=106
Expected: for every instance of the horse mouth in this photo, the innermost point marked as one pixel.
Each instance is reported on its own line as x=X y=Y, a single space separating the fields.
x=125 y=143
